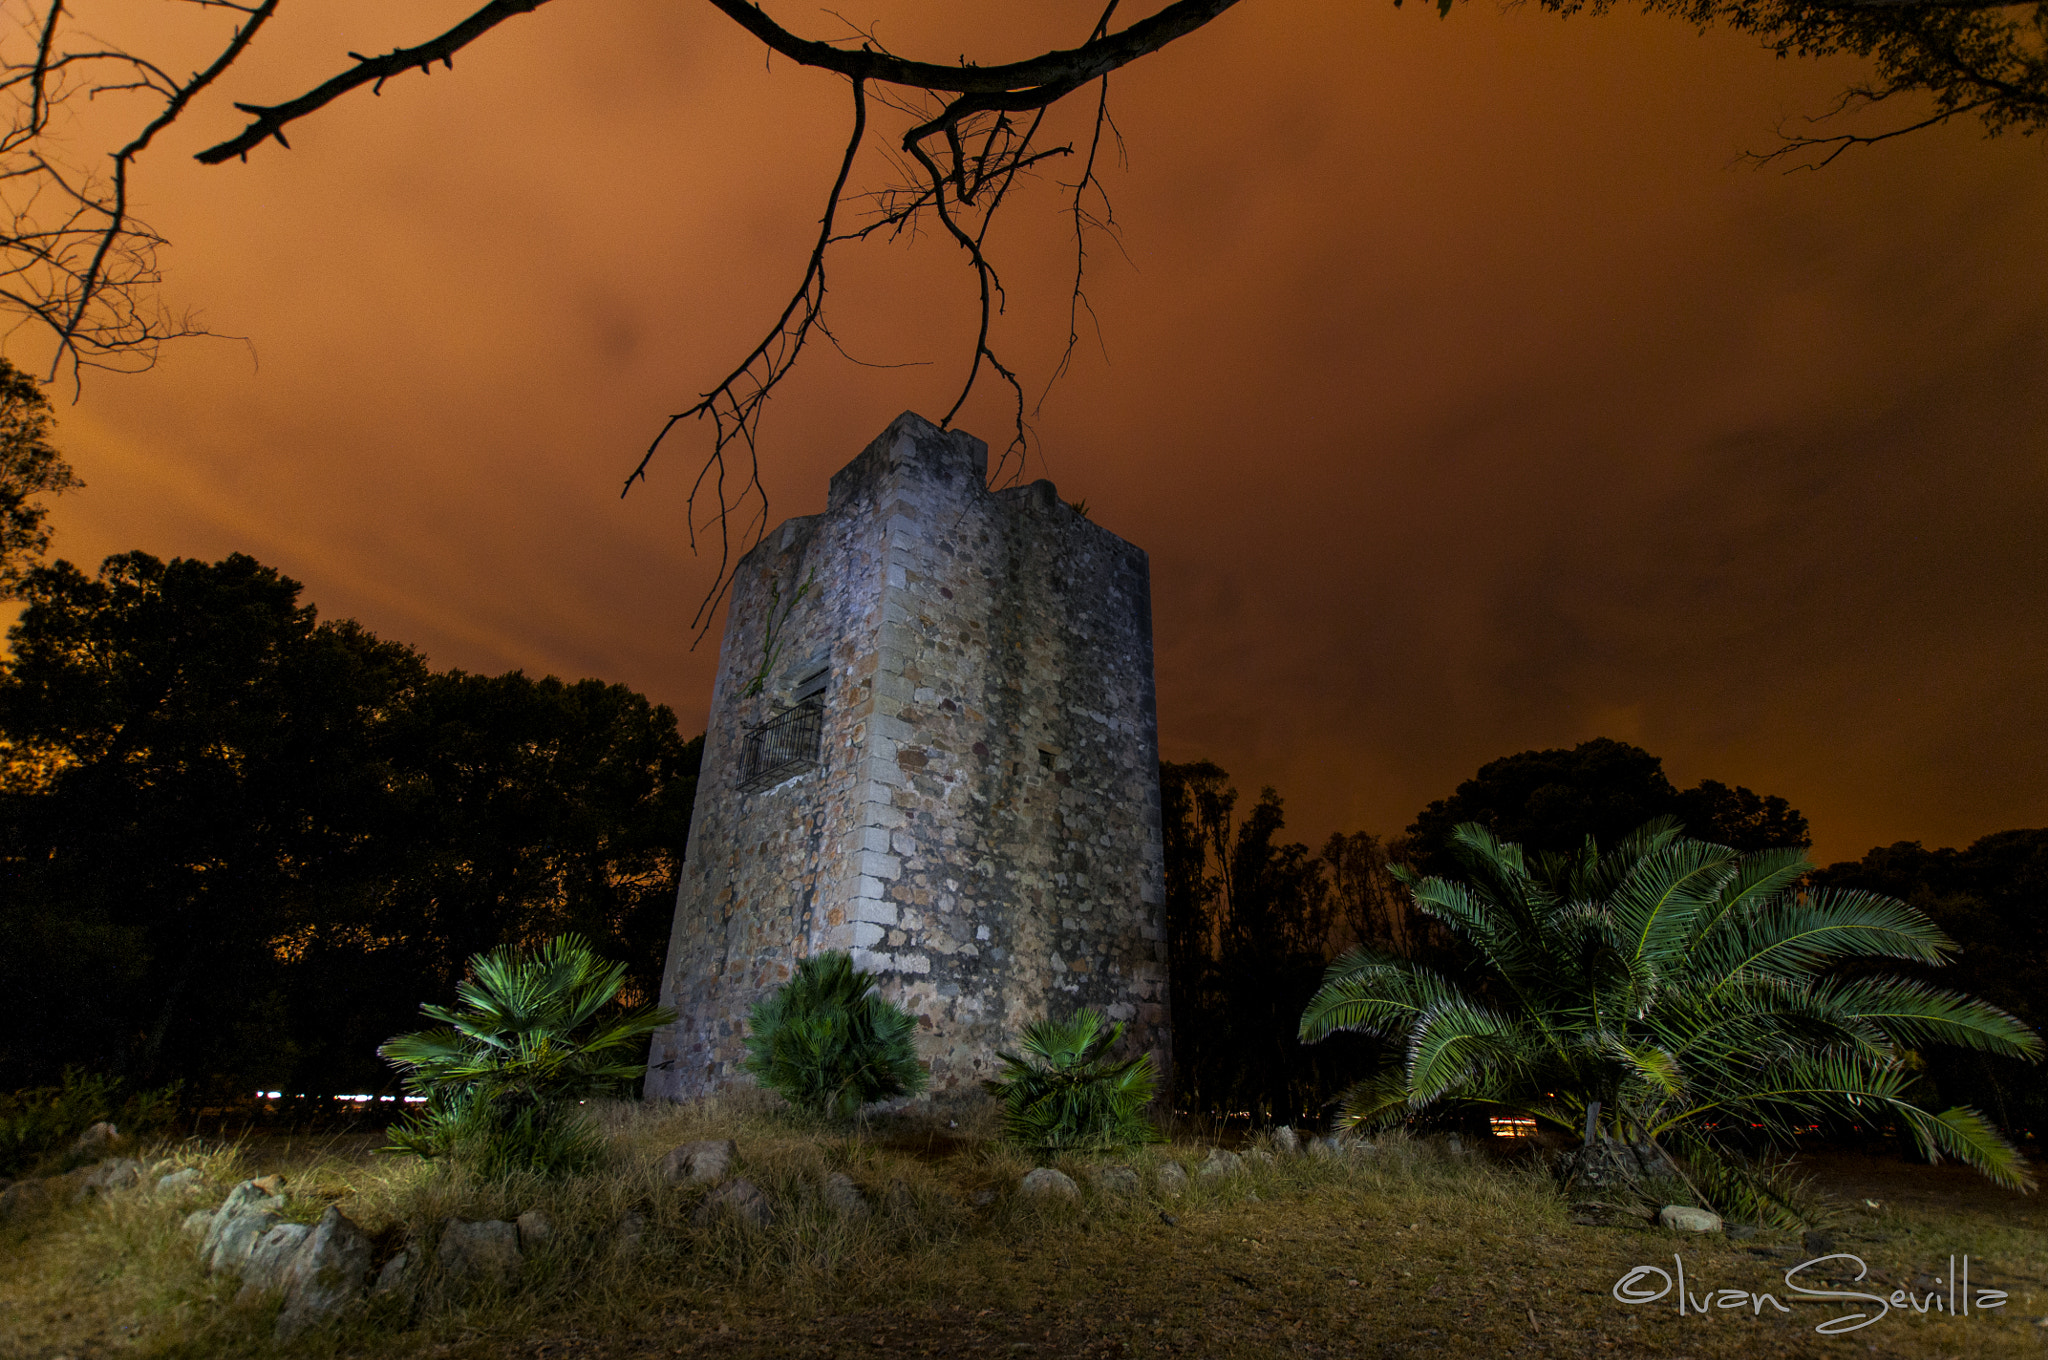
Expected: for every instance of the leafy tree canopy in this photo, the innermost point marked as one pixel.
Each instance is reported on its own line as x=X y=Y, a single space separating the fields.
x=1992 y=900
x=1552 y=800
x=239 y=843
x=30 y=466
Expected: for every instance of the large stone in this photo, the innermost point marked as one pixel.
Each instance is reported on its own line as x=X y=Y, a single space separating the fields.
x=265 y=1271
x=235 y=1239
x=1684 y=1218
x=1171 y=1179
x=844 y=1198
x=246 y=1198
x=1220 y=1163
x=479 y=1252
x=706 y=1160
x=1045 y=1183
x=324 y=1276
x=736 y=1200
x=1286 y=1141
x=1114 y=1179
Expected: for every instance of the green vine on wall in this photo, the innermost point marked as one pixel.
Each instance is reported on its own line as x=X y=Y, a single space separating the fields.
x=773 y=639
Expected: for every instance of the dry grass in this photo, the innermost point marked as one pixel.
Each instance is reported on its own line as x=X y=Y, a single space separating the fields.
x=1408 y=1252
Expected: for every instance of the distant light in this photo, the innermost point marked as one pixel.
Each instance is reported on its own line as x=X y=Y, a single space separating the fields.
x=1512 y=1126
x=415 y=1100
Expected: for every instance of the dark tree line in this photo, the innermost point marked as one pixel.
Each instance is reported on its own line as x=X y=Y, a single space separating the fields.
x=1553 y=800
x=1251 y=922
x=239 y=845
x=1992 y=900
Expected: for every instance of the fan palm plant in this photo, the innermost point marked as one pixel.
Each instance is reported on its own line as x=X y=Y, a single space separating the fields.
x=831 y=1044
x=1065 y=1093
x=1693 y=992
x=504 y=1076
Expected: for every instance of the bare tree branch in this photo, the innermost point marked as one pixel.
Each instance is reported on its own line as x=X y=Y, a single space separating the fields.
x=271 y=120
x=88 y=272
x=735 y=405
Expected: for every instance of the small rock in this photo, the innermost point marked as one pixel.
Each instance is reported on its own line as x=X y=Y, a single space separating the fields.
x=1259 y=1155
x=1170 y=1179
x=1113 y=1179
x=737 y=1199
x=1044 y=1182
x=1593 y=1213
x=1740 y=1232
x=265 y=1271
x=479 y=1252
x=181 y=1182
x=392 y=1279
x=325 y=1275
x=706 y=1160
x=1168 y=1219
x=844 y=1198
x=535 y=1227
x=1684 y=1218
x=1323 y=1149
x=981 y=1199
x=196 y=1223
x=114 y=1173
x=95 y=1139
x=631 y=1235
x=1456 y=1145
x=1220 y=1163
x=1286 y=1141
x=23 y=1199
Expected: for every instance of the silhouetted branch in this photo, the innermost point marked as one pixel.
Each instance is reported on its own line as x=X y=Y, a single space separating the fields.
x=270 y=120
x=88 y=274
x=735 y=404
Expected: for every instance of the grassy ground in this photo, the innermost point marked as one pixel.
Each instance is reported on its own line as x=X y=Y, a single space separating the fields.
x=1408 y=1252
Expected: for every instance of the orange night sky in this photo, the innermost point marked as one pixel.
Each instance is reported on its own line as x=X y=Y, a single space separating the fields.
x=1466 y=390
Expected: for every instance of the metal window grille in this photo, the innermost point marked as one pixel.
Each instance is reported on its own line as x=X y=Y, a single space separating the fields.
x=784 y=745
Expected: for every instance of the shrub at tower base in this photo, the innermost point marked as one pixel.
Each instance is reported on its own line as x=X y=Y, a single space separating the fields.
x=829 y=1044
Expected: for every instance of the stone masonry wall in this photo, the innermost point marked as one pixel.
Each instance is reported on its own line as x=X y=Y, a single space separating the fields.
x=982 y=829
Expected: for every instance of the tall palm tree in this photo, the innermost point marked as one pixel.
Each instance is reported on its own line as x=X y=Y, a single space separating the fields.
x=1689 y=989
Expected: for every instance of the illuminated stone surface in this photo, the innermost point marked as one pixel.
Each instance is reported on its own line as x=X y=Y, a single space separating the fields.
x=982 y=826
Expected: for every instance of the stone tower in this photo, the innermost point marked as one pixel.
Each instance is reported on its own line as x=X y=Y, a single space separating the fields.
x=931 y=742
